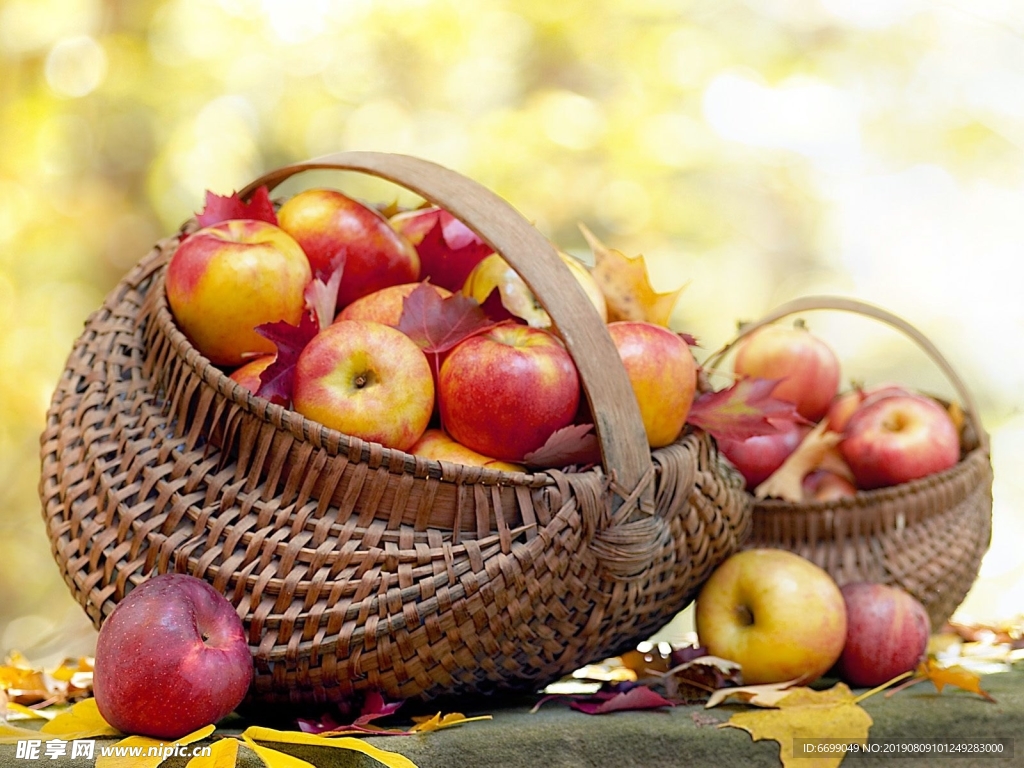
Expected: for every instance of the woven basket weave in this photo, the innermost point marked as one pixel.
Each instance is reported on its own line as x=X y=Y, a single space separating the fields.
x=927 y=536
x=354 y=566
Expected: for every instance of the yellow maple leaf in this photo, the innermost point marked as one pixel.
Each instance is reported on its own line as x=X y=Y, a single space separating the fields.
x=223 y=754
x=439 y=721
x=763 y=695
x=941 y=676
x=807 y=714
x=149 y=753
x=627 y=287
x=82 y=721
x=259 y=733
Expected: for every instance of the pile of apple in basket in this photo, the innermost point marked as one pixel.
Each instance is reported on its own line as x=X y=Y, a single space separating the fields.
x=402 y=327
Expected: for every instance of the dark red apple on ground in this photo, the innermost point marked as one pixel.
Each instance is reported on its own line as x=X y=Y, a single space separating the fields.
x=171 y=658
x=897 y=439
x=887 y=633
x=759 y=456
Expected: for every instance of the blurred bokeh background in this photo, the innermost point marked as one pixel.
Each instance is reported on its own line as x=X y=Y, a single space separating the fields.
x=759 y=149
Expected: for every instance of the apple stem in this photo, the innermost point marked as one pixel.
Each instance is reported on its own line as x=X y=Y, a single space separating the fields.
x=882 y=687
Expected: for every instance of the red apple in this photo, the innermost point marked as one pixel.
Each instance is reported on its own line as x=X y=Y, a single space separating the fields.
x=806 y=367
x=759 y=456
x=228 y=278
x=777 y=615
x=824 y=485
x=367 y=380
x=663 y=373
x=844 y=404
x=887 y=633
x=448 y=256
x=897 y=439
x=386 y=305
x=325 y=223
x=171 y=658
x=437 y=444
x=504 y=392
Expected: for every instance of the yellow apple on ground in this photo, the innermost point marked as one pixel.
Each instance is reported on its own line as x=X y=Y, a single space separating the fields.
x=228 y=278
x=326 y=223
x=505 y=391
x=494 y=273
x=386 y=305
x=367 y=380
x=437 y=444
x=663 y=373
x=776 y=614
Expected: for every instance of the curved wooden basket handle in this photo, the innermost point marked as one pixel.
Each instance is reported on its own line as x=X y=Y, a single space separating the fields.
x=843 y=304
x=617 y=418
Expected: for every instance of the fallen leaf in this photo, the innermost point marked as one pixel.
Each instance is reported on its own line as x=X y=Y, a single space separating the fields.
x=321 y=293
x=258 y=733
x=787 y=481
x=272 y=758
x=636 y=697
x=143 y=757
x=627 y=286
x=223 y=754
x=439 y=722
x=941 y=676
x=21 y=712
x=81 y=721
x=12 y=734
x=574 y=444
x=695 y=679
x=807 y=714
x=744 y=409
x=764 y=695
x=277 y=379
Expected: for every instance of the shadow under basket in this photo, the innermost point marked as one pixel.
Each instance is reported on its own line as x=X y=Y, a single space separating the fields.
x=927 y=536
x=353 y=566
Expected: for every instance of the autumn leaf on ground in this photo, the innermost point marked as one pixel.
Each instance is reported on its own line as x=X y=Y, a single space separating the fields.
x=321 y=292
x=81 y=721
x=439 y=722
x=278 y=378
x=627 y=286
x=941 y=676
x=223 y=754
x=374 y=707
x=807 y=714
x=618 y=697
x=257 y=733
x=151 y=752
x=575 y=444
x=695 y=679
x=787 y=481
x=764 y=695
x=744 y=409
x=223 y=208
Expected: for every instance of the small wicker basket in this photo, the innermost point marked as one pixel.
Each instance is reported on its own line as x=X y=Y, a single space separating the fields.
x=354 y=566
x=927 y=536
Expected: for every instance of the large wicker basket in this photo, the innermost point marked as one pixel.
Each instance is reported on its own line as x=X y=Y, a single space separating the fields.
x=358 y=567
x=927 y=536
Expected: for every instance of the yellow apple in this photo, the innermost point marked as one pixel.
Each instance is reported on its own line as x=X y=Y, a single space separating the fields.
x=436 y=444
x=367 y=380
x=776 y=614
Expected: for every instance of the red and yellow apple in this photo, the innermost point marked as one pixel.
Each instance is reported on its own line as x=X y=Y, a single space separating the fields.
x=437 y=444
x=171 y=658
x=825 y=485
x=757 y=457
x=887 y=633
x=663 y=373
x=228 y=278
x=845 y=403
x=776 y=614
x=367 y=380
x=806 y=367
x=899 y=438
x=248 y=375
x=326 y=223
x=386 y=305
x=445 y=260
x=505 y=391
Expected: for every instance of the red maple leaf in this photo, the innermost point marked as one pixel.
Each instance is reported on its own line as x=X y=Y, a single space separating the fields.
x=743 y=410
x=438 y=324
x=575 y=444
x=278 y=378
x=321 y=292
x=223 y=208
x=620 y=697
